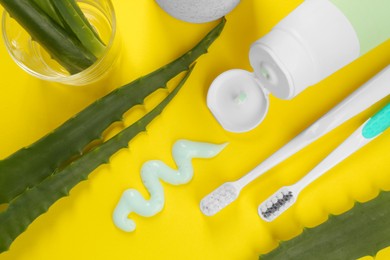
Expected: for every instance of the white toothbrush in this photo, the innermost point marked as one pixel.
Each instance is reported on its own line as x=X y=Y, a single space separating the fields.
x=285 y=197
x=367 y=95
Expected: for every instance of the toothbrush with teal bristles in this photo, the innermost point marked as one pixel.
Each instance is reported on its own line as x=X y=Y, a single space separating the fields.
x=285 y=197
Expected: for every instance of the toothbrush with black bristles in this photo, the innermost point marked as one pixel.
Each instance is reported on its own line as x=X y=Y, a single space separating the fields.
x=285 y=197
x=369 y=94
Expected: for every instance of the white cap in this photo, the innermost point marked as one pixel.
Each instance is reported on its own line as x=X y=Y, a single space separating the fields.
x=237 y=101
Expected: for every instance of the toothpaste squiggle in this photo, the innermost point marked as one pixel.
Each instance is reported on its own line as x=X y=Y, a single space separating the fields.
x=183 y=152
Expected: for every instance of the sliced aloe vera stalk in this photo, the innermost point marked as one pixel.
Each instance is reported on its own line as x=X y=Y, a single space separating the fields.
x=361 y=231
x=24 y=209
x=29 y=166
x=80 y=26
x=61 y=45
x=48 y=8
x=82 y=16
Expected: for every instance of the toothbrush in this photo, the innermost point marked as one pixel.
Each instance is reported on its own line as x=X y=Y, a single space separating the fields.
x=366 y=96
x=285 y=197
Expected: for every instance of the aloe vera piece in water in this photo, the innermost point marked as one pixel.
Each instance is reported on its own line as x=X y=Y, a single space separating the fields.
x=361 y=231
x=64 y=47
x=83 y=17
x=75 y=19
x=24 y=209
x=29 y=166
x=48 y=8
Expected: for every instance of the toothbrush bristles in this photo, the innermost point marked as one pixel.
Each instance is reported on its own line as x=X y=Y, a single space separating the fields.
x=218 y=199
x=276 y=205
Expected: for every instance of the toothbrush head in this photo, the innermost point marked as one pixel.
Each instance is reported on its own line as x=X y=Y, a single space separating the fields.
x=219 y=199
x=275 y=205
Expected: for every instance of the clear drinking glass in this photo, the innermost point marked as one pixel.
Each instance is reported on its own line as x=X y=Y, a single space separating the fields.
x=34 y=59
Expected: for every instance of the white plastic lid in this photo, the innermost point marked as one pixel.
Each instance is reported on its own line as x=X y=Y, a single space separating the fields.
x=237 y=100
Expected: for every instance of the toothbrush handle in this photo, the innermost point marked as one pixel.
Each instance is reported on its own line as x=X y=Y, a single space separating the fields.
x=379 y=123
x=370 y=93
x=370 y=130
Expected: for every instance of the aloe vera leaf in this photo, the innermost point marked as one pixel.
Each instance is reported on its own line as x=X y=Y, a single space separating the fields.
x=80 y=27
x=48 y=8
x=29 y=166
x=32 y=203
x=77 y=8
x=361 y=231
x=62 y=46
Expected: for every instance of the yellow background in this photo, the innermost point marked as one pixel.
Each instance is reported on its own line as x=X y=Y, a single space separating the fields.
x=80 y=226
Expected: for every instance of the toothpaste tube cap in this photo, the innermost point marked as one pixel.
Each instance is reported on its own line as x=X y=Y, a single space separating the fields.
x=237 y=100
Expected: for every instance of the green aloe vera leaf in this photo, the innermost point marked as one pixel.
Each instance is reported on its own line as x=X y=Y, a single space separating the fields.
x=29 y=166
x=361 y=231
x=48 y=8
x=80 y=27
x=77 y=8
x=62 y=46
x=32 y=203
